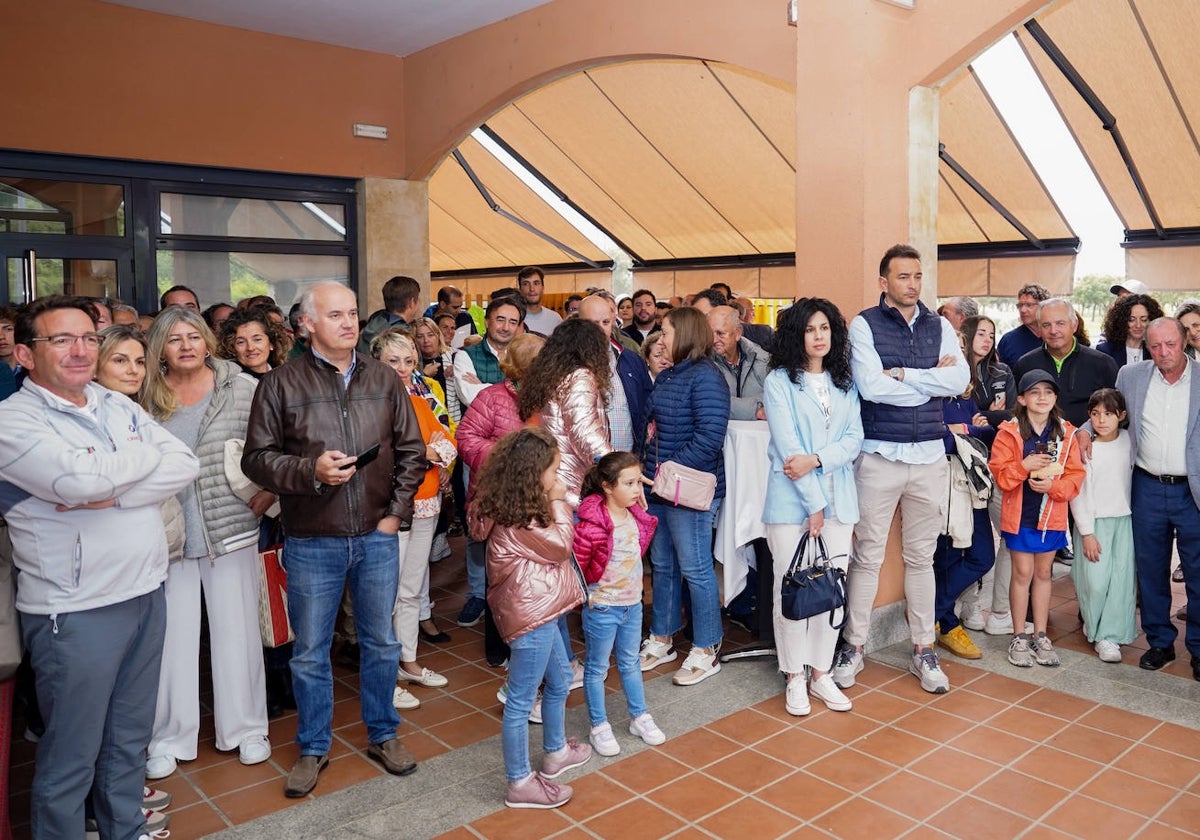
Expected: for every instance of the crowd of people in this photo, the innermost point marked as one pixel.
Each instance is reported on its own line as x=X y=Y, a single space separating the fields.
x=148 y=460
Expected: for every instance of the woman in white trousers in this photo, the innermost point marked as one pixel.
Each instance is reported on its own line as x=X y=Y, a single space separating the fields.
x=205 y=401
x=816 y=433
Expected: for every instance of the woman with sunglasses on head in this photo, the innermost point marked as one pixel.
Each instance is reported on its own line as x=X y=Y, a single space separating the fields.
x=205 y=401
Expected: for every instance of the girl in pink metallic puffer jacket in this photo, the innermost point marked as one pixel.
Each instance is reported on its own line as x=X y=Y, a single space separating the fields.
x=532 y=580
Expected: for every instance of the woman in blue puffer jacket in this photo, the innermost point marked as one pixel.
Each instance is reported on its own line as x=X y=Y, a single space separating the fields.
x=689 y=412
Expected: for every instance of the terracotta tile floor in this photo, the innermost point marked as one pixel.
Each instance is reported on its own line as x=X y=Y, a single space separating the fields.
x=995 y=757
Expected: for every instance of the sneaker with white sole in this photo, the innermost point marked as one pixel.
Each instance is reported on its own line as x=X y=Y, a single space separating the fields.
x=603 y=741
x=645 y=728
x=655 y=653
x=440 y=549
x=155 y=820
x=1044 y=652
x=925 y=666
x=826 y=690
x=1108 y=651
x=795 y=697
x=403 y=699
x=535 y=716
x=972 y=616
x=576 y=674
x=573 y=755
x=155 y=800
x=699 y=665
x=160 y=766
x=1019 y=653
x=537 y=792
x=254 y=750
x=998 y=624
x=427 y=678
x=846 y=665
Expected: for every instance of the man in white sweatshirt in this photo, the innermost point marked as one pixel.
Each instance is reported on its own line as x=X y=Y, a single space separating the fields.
x=82 y=471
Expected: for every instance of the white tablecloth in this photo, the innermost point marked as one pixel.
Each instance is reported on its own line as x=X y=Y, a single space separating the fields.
x=739 y=521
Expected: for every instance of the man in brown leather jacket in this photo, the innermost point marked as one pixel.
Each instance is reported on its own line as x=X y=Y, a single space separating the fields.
x=313 y=427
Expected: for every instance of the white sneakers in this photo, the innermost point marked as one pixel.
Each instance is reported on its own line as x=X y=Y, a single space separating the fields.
x=254 y=750
x=160 y=766
x=846 y=665
x=655 y=653
x=971 y=616
x=796 y=697
x=645 y=728
x=826 y=690
x=603 y=741
x=1108 y=651
x=925 y=666
x=699 y=665
x=823 y=688
x=998 y=624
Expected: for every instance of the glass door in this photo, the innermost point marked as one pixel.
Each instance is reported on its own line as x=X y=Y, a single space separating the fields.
x=47 y=271
x=63 y=236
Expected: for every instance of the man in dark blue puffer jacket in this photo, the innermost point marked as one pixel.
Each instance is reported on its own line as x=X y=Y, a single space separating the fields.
x=905 y=359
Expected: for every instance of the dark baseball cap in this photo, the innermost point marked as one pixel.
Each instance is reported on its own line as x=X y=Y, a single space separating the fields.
x=1034 y=377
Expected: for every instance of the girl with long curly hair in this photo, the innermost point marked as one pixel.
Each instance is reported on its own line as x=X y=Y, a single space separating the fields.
x=1125 y=328
x=813 y=411
x=520 y=509
x=566 y=389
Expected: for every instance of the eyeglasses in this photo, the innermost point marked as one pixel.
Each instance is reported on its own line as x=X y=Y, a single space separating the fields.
x=65 y=341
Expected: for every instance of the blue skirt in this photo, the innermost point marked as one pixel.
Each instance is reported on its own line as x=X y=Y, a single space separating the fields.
x=1031 y=541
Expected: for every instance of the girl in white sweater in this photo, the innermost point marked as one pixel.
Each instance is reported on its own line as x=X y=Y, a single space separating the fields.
x=1105 y=583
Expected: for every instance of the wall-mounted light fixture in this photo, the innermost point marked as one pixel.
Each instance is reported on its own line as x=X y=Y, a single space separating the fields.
x=375 y=132
x=903 y=4
x=793 y=12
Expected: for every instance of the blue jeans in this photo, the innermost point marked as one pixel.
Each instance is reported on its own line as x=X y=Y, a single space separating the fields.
x=1163 y=513
x=97 y=679
x=955 y=569
x=476 y=567
x=318 y=568
x=536 y=654
x=682 y=550
x=613 y=630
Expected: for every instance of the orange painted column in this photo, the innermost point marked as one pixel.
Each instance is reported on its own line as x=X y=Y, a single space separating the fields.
x=866 y=122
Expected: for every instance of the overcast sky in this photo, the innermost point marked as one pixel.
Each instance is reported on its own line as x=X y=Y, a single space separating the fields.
x=1023 y=102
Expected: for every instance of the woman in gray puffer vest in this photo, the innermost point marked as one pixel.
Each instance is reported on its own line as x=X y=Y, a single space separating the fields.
x=204 y=402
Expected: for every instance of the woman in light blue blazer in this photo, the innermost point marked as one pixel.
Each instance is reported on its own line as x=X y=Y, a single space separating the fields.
x=816 y=433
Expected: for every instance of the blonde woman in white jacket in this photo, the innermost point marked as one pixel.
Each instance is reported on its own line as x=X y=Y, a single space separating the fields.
x=205 y=401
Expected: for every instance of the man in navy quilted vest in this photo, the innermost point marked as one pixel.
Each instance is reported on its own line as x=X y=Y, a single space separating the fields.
x=905 y=359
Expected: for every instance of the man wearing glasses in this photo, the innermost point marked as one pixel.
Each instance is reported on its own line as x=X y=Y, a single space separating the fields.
x=82 y=471
x=1027 y=335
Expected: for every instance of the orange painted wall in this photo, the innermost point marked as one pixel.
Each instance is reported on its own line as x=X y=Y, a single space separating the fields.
x=92 y=78
x=859 y=60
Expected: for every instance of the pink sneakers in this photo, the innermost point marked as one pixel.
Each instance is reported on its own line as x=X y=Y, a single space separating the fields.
x=573 y=755
x=536 y=792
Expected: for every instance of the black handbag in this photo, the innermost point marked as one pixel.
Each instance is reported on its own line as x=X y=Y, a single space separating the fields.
x=812 y=585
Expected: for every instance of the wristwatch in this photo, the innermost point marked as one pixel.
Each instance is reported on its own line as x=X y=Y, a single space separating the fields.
x=895 y=373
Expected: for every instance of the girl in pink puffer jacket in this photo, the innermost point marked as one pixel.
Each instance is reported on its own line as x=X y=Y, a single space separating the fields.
x=613 y=533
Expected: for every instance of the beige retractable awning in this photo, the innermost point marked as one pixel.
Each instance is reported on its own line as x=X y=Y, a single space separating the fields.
x=1140 y=60
x=676 y=159
x=686 y=162
x=979 y=152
